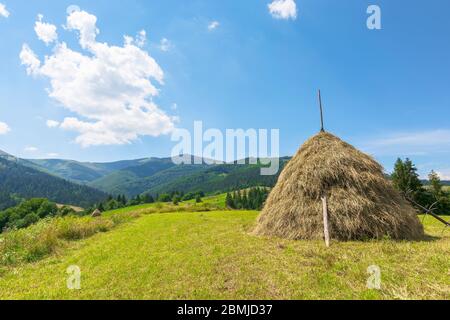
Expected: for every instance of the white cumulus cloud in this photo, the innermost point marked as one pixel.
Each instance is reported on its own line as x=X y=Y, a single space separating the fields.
x=4 y=128
x=283 y=9
x=139 y=40
x=108 y=88
x=52 y=123
x=213 y=25
x=165 y=45
x=86 y=26
x=52 y=154
x=3 y=11
x=31 y=149
x=444 y=174
x=30 y=60
x=45 y=31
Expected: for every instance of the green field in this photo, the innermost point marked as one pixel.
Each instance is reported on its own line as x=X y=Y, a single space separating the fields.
x=211 y=255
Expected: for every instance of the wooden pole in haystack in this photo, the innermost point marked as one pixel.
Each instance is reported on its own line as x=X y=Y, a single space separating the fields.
x=325 y=221
x=321 y=113
x=326 y=231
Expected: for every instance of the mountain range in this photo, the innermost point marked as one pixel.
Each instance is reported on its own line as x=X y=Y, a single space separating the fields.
x=129 y=177
x=157 y=175
x=22 y=179
x=85 y=183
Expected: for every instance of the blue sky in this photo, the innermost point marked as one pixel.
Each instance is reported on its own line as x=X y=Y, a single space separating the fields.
x=385 y=91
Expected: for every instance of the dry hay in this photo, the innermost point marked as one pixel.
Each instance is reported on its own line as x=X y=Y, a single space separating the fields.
x=362 y=203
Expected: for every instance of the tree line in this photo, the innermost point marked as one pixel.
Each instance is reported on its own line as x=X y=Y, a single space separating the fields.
x=121 y=201
x=29 y=212
x=252 y=199
x=406 y=179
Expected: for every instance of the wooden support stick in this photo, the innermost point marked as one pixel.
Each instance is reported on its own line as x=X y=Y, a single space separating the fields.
x=321 y=113
x=325 y=221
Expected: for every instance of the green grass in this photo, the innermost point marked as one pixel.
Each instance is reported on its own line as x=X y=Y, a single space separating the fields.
x=211 y=255
x=50 y=236
x=217 y=201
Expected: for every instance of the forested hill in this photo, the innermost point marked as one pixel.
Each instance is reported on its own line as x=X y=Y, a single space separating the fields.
x=19 y=181
x=165 y=177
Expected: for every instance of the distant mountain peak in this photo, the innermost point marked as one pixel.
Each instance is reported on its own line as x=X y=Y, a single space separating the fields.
x=7 y=156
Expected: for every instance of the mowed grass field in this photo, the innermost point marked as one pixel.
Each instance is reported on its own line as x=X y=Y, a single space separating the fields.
x=211 y=255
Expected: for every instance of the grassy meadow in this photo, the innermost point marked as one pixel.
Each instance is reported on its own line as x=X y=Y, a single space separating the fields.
x=175 y=252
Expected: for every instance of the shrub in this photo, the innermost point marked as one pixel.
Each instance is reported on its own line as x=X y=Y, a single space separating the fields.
x=164 y=198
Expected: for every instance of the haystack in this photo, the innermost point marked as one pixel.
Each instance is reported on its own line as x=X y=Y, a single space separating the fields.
x=362 y=203
x=96 y=213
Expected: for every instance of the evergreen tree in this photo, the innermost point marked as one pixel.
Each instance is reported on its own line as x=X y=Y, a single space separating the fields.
x=148 y=198
x=238 y=200
x=164 y=197
x=229 y=203
x=245 y=203
x=436 y=185
x=176 y=200
x=406 y=179
x=253 y=199
x=139 y=199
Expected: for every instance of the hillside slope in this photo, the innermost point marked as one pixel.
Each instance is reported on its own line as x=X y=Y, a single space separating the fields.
x=211 y=255
x=129 y=183
x=25 y=182
x=161 y=176
x=81 y=172
x=218 y=178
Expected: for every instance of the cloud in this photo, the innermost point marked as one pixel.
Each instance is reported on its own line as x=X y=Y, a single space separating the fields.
x=410 y=143
x=165 y=45
x=108 y=88
x=444 y=174
x=29 y=59
x=86 y=25
x=139 y=40
x=45 y=31
x=283 y=9
x=213 y=25
x=3 y=12
x=4 y=128
x=52 y=155
x=31 y=149
x=52 y=123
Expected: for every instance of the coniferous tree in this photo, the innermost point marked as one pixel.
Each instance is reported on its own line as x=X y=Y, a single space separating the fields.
x=176 y=199
x=101 y=207
x=229 y=203
x=406 y=179
x=436 y=185
x=245 y=203
x=148 y=198
x=253 y=199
